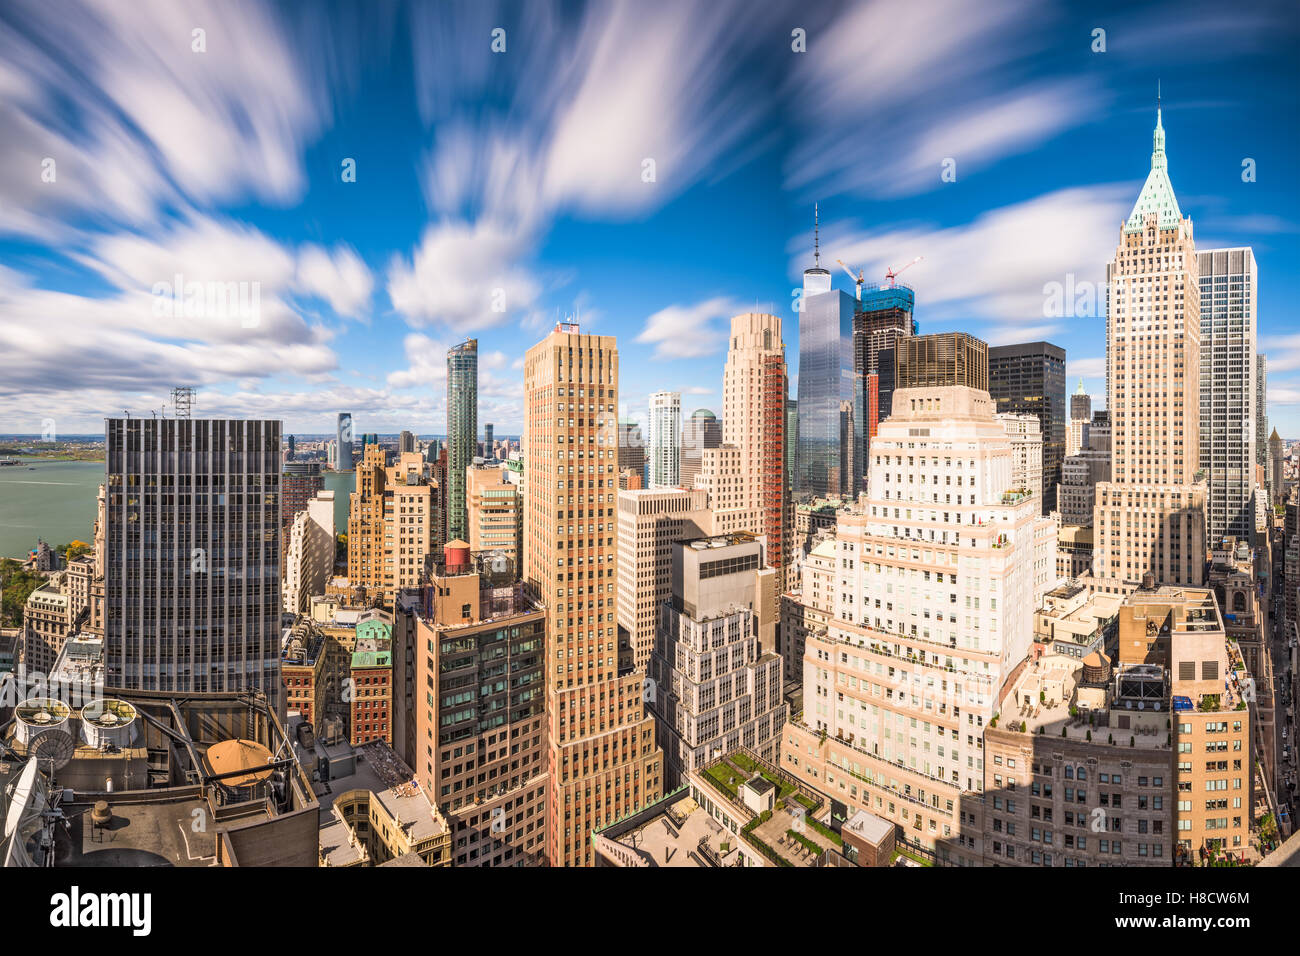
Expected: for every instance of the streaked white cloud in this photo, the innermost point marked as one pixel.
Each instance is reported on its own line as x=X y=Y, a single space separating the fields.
x=688 y=331
x=465 y=277
x=426 y=363
x=995 y=268
x=155 y=120
x=1077 y=368
x=858 y=90
x=338 y=277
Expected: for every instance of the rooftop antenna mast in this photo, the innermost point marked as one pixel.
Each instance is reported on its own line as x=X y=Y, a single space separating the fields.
x=183 y=400
x=817 y=255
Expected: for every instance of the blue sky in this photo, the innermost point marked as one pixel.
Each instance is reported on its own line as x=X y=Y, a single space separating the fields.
x=495 y=191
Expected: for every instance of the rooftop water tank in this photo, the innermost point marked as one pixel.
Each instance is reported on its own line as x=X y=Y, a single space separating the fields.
x=108 y=722
x=36 y=715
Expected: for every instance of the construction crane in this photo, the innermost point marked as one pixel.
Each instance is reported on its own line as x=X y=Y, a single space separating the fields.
x=857 y=280
x=891 y=273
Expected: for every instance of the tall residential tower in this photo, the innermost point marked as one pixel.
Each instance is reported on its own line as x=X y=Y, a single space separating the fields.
x=663 y=444
x=462 y=431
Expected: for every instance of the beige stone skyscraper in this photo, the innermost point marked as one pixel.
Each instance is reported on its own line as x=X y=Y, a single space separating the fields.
x=649 y=522
x=745 y=478
x=1151 y=515
x=602 y=756
x=392 y=523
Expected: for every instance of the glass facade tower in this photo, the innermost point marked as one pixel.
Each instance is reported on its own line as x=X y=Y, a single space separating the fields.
x=462 y=432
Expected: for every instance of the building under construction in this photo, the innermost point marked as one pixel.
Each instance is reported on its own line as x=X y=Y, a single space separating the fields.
x=882 y=318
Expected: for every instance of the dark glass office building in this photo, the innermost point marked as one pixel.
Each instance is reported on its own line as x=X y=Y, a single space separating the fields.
x=1030 y=379
x=831 y=437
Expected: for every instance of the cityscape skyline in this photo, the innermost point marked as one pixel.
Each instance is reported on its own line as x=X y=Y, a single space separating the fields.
x=973 y=540
x=340 y=288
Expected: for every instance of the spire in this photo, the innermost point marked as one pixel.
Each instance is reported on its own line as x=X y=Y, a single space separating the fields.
x=1157 y=194
x=817 y=256
x=1158 y=137
x=1080 y=390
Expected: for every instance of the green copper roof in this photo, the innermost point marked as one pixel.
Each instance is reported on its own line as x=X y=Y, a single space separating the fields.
x=373 y=628
x=1080 y=390
x=1157 y=194
x=362 y=659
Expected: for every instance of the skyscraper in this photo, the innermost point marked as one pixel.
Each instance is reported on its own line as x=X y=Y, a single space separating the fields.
x=495 y=511
x=299 y=483
x=716 y=670
x=462 y=431
x=882 y=317
x=480 y=661
x=393 y=524
x=745 y=476
x=663 y=443
x=1076 y=437
x=702 y=430
x=1229 y=282
x=405 y=442
x=1029 y=379
x=649 y=521
x=603 y=760
x=631 y=447
x=830 y=419
x=343 y=460
x=1261 y=411
x=935 y=572
x=1276 y=467
x=192 y=527
x=1151 y=515
x=1076 y=495
x=1026 y=436
x=308 y=552
x=489 y=442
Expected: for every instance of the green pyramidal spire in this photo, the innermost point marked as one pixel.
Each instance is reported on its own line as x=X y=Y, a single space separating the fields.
x=1158 y=192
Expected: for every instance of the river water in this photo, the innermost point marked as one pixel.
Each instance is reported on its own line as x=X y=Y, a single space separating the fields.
x=55 y=500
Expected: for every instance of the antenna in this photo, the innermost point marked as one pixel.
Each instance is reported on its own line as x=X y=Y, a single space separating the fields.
x=183 y=400
x=817 y=255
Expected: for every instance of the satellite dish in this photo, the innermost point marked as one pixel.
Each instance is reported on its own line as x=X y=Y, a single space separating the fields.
x=21 y=797
x=54 y=748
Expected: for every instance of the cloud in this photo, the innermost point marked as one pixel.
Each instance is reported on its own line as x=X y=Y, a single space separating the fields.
x=998 y=267
x=563 y=122
x=464 y=277
x=1283 y=352
x=688 y=331
x=135 y=118
x=210 y=250
x=982 y=100
x=340 y=278
x=1283 y=394
x=1076 y=368
x=427 y=363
